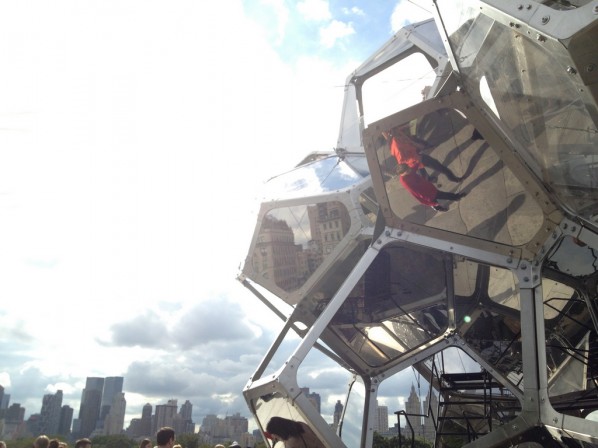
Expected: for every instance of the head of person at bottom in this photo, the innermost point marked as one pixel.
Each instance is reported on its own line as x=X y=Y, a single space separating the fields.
x=165 y=437
x=283 y=428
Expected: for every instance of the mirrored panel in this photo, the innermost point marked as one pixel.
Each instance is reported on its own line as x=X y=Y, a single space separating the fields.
x=501 y=69
x=401 y=85
x=399 y=304
x=319 y=176
x=440 y=172
x=294 y=241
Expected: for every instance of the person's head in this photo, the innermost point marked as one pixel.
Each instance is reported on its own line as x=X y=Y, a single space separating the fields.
x=234 y=445
x=54 y=443
x=145 y=443
x=42 y=441
x=219 y=446
x=165 y=437
x=63 y=445
x=282 y=428
x=2 y=444
x=83 y=443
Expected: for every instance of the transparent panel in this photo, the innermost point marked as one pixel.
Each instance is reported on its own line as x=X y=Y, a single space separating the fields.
x=490 y=321
x=399 y=304
x=503 y=69
x=573 y=257
x=431 y=163
x=320 y=176
x=294 y=241
x=398 y=87
x=369 y=205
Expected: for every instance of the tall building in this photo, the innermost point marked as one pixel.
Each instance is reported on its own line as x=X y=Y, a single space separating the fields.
x=313 y=397
x=66 y=418
x=413 y=411
x=113 y=386
x=185 y=419
x=49 y=421
x=114 y=421
x=146 y=420
x=431 y=411
x=89 y=410
x=381 y=419
x=338 y=413
x=165 y=415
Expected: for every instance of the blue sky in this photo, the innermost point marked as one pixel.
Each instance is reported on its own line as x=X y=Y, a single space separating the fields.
x=134 y=137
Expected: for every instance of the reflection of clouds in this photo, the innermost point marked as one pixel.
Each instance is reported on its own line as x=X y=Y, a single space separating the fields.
x=321 y=176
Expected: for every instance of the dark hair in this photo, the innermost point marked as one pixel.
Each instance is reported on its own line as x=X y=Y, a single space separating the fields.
x=82 y=442
x=284 y=428
x=53 y=443
x=164 y=435
x=144 y=443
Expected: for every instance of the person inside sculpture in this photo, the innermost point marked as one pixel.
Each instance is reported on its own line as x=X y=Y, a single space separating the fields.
x=407 y=149
x=293 y=434
x=423 y=190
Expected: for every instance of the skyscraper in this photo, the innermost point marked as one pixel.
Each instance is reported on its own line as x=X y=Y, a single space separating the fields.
x=89 y=410
x=113 y=385
x=66 y=418
x=338 y=413
x=115 y=419
x=381 y=419
x=413 y=411
x=49 y=421
x=165 y=415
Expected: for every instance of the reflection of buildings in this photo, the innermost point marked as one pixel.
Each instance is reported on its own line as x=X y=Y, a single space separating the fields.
x=276 y=253
x=276 y=256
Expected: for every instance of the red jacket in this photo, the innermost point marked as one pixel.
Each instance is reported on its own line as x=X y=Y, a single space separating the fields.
x=406 y=153
x=421 y=189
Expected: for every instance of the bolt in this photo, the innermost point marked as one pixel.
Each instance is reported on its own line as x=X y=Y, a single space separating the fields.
x=523 y=266
x=591 y=68
x=595 y=9
x=509 y=260
x=571 y=70
x=565 y=225
x=545 y=20
x=526 y=279
x=387 y=233
x=520 y=7
x=540 y=38
x=529 y=6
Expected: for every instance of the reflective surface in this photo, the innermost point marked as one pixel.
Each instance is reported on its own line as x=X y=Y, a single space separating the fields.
x=542 y=109
x=510 y=215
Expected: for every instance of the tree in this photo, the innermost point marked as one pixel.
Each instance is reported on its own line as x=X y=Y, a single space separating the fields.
x=114 y=441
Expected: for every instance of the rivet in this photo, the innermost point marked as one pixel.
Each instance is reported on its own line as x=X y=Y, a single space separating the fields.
x=545 y=20
x=590 y=68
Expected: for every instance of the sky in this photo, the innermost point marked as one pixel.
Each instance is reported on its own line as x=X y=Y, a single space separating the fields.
x=134 y=138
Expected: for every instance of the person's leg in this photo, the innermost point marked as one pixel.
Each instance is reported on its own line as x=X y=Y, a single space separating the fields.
x=447 y=195
x=436 y=165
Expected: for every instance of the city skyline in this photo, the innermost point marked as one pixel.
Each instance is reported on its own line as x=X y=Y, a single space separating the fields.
x=123 y=230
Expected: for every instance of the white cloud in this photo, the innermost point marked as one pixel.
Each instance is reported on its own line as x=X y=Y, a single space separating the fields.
x=354 y=11
x=406 y=12
x=334 y=31
x=316 y=10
